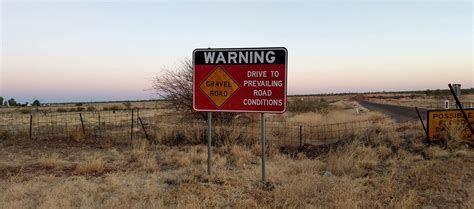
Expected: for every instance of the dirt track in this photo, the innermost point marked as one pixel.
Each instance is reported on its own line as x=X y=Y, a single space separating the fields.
x=399 y=113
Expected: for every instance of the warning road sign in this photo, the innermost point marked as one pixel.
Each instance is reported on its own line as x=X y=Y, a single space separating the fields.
x=219 y=86
x=240 y=79
x=440 y=120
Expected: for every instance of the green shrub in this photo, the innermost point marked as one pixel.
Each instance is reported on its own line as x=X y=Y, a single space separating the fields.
x=115 y=108
x=36 y=103
x=25 y=111
x=91 y=108
x=61 y=109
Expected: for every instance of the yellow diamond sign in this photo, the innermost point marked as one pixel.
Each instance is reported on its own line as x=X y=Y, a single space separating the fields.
x=219 y=86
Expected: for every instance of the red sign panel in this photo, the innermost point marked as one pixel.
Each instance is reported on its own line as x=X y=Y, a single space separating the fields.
x=240 y=80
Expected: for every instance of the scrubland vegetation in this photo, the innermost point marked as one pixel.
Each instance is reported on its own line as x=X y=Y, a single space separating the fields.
x=387 y=165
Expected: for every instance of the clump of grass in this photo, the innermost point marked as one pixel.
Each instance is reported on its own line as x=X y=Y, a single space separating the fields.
x=183 y=160
x=94 y=165
x=76 y=135
x=454 y=136
x=149 y=163
x=309 y=105
x=237 y=156
x=342 y=162
x=436 y=152
x=384 y=152
x=51 y=161
x=138 y=149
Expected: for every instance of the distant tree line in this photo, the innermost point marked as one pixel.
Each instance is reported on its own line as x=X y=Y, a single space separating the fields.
x=428 y=92
x=13 y=103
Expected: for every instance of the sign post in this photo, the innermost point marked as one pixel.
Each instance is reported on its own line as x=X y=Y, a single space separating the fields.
x=240 y=80
x=262 y=143
x=209 y=141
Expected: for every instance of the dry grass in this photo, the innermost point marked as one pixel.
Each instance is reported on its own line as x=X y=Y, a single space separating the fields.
x=90 y=166
x=386 y=166
x=51 y=161
x=377 y=170
x=149 y=164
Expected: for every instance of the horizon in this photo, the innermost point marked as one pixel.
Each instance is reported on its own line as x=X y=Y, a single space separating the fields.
x=61 y=52
x=289 y=95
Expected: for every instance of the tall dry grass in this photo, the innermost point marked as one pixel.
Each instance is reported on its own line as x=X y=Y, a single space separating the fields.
x=382 y=168
x=51 y=161
x=90 y=166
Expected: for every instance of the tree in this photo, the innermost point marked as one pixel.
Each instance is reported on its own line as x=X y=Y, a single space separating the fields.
x=176 y=85
x=1 y=100
x=12 y=102
x=36 y=103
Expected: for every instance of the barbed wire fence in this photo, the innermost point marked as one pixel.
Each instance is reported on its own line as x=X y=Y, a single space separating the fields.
x=126 y=125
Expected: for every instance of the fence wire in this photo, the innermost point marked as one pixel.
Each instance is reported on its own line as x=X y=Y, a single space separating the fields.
x=159 y=128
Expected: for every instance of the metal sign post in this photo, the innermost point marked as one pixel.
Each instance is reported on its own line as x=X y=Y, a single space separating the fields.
x=262 y=144
x=458 y=103
x=422 y=123
x=209 y=141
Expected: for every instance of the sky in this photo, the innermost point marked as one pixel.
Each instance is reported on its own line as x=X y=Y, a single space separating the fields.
x=67 y=51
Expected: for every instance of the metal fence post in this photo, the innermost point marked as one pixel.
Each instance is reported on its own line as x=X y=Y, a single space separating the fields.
x=262 y=144
x=301 y=137
x=209 y=141
x=82 y=125
x=458 y=103
x=31 y=124
x=422 y=123
x=98 y=115
x=138 y=116
x=131 y=127
x=143 y=127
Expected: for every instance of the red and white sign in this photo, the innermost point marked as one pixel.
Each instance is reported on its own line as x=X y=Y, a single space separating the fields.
x=240 y=80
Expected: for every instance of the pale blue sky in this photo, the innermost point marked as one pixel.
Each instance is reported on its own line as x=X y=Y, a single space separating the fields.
x=84 y=51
